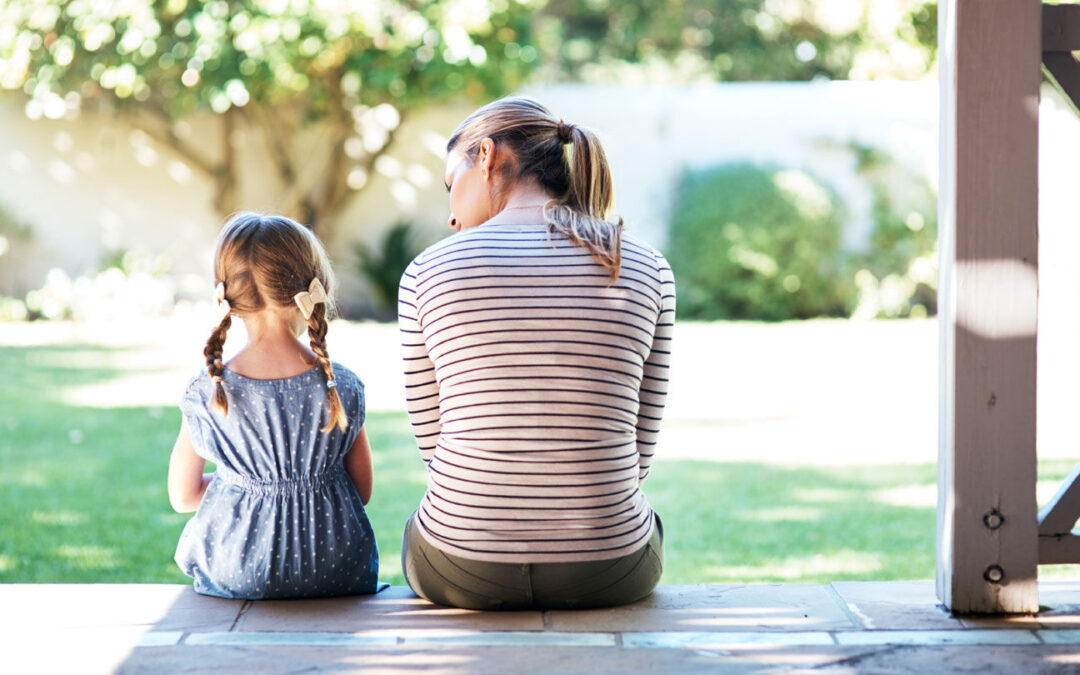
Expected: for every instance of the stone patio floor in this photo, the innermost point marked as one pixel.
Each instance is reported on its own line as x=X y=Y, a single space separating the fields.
x=847 y=627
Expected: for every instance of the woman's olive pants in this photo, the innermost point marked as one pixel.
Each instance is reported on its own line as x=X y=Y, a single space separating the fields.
x=475 y=584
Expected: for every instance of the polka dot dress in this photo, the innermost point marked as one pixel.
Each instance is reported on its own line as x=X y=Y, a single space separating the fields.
x=281 y=518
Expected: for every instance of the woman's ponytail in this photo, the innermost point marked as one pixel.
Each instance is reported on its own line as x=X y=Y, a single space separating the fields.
x=568 y=162
x=583 y=215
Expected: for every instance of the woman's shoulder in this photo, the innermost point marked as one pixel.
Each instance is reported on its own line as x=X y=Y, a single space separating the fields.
x=476 y=237
x=641 y=250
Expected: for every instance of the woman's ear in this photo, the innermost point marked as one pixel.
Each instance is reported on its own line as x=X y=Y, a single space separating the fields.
x=485 y=158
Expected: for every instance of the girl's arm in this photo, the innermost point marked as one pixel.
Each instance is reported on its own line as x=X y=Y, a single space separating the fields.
x=358 y=464
x=187 y=483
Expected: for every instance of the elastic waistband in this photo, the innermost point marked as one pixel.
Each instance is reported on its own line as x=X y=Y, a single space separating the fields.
x=268 y=486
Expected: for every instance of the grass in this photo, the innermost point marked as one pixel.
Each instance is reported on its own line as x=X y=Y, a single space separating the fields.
x=83 y=498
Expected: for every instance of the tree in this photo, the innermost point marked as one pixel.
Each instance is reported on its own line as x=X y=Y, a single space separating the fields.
x=356 y=68
x=278 y=66
x=737 y=40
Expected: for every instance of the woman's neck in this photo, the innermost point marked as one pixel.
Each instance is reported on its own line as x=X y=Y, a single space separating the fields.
x=273 y=350
x=524 y=205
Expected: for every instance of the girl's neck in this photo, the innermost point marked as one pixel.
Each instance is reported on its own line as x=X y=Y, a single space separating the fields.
x=273 y=350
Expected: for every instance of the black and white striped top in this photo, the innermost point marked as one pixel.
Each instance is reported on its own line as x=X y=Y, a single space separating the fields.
x=535 y=388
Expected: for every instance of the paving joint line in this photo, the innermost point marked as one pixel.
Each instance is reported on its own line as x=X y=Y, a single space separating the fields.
x=846 y=608
x=243 y=609
x=693 y=640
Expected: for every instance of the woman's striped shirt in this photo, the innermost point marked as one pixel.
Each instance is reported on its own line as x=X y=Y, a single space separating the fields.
x=535 y=386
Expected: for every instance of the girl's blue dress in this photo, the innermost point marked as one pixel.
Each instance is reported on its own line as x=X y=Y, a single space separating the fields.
x=281 y=517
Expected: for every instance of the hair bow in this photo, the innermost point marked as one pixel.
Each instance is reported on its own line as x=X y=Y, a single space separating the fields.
x=224 y=308
x=306 y=300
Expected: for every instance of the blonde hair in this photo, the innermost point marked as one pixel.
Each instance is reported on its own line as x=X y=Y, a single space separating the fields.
x=567 y=160
x=267 y=260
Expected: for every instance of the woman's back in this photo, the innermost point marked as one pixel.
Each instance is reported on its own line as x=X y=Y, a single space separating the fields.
x=535 y=385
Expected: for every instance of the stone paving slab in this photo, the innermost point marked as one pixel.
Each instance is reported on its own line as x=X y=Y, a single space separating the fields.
x=434 y=660
x=162 y=606
x=886 y=627
x=396 y=607
x=896 y=605
x=765 y=607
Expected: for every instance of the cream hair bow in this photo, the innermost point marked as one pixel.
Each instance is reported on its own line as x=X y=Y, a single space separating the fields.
x=306 y=300
x=224 y=309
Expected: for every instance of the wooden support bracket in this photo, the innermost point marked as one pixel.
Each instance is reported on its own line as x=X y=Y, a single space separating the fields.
x=1060 y=39
x=1060 y=28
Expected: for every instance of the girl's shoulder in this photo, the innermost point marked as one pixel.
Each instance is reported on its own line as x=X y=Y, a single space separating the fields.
x=346 y=378
x=199 y=387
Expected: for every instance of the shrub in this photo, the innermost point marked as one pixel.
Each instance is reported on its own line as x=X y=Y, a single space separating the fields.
x=897 y=273
x=383 y=266
x=751 y=242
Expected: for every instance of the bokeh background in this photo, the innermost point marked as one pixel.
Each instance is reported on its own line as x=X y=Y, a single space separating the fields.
x=782 y=153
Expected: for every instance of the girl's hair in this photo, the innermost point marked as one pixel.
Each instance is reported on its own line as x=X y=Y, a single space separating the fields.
x=267 y=260
x=567 y=161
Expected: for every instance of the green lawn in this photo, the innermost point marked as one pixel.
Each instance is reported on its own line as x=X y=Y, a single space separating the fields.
x=83 y=499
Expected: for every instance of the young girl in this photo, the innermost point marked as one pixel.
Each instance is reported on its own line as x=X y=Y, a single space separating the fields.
x=283 y=515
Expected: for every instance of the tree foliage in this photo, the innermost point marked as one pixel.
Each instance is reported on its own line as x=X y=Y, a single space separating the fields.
x=274 y=65
x=738 y=40
x=355 y=68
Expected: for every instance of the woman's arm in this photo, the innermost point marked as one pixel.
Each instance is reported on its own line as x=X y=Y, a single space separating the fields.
x=654 y=384
x=358 y=464
x=421 y=387
x=187 y=483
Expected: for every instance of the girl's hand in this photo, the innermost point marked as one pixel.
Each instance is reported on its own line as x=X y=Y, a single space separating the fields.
x=358 y=464
x=187 y=483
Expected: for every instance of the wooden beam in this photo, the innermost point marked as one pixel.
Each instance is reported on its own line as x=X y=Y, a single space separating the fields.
x=989 y=69
x=1061 y=513
x=1059 y=549
x=1060 y=28
x=1064 y=72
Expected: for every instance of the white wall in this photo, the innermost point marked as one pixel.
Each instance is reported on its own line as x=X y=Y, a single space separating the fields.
x=91 y=184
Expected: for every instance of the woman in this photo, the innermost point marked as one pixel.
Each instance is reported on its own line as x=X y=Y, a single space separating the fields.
x=537 y=342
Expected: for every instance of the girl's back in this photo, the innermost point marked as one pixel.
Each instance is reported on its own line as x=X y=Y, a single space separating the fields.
x=281 y=518
x=283 y=514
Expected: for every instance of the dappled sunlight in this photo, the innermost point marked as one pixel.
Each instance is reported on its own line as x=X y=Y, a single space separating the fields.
x=996 y=313
x=917 y=496
x=424 y=607
x=58 y=518
x=156 y=390
x=25 y=478
x=7 y=563
x=414 y=659
x=88 y=557
x=837 y=564
x=782 y=514
x=1073 y=658
x=776 y=619
x=820 y=495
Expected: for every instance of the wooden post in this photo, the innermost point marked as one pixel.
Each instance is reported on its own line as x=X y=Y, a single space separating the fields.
x=987 y=545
